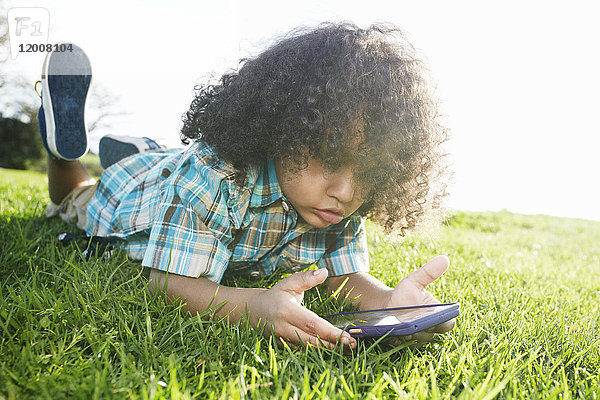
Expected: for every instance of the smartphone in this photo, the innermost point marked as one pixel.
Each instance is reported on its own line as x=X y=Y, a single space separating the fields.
x=398 y=321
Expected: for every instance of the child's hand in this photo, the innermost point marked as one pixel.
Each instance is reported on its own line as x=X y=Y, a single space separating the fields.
x=411 y=291
x=281 y=309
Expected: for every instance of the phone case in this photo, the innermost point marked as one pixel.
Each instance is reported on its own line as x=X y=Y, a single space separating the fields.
x=446 y=312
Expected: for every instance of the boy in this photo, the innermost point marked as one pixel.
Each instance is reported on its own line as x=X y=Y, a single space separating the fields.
x=290 y=154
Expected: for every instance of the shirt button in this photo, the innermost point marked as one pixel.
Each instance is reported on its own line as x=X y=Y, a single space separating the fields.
x=285 y=205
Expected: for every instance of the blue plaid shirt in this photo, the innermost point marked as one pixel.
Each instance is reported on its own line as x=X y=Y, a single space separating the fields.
x=182 y=212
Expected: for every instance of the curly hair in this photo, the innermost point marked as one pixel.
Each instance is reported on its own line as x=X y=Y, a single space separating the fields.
x=336 y=93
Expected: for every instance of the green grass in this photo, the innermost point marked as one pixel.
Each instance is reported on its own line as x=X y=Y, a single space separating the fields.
x=529 y=288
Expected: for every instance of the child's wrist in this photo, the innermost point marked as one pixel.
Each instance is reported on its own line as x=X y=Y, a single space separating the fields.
x=240 y=298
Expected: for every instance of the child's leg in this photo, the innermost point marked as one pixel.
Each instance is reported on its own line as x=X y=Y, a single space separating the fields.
x=66 y=78
x=64 y=176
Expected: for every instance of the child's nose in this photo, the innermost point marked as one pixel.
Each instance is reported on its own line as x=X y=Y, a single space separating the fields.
x=341 y=185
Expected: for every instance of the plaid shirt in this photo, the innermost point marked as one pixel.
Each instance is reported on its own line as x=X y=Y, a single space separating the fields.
x=181 y=211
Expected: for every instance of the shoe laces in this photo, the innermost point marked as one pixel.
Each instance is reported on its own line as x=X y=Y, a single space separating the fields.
x=35 y=87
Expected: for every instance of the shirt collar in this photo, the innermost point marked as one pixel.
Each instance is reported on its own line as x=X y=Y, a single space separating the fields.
x=261 y=190
x=266 y=188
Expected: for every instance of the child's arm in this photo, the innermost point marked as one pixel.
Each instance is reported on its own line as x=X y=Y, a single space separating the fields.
x=370 y=293
x=280 y=306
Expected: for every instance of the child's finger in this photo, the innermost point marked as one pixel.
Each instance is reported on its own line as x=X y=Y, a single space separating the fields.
x=296 y=334
x=302 y=281
x=318 y=328
x=430 y=271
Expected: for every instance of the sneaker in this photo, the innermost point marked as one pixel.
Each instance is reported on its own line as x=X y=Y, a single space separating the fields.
x=113 y=148
x=66 y=79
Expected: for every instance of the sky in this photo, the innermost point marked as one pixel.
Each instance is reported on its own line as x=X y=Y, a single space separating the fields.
x=519 y=81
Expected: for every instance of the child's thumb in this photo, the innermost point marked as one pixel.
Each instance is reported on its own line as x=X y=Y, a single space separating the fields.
x=302 y=281
x=430 y=271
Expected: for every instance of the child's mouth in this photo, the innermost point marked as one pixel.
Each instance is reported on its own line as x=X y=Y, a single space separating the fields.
x=330 y=216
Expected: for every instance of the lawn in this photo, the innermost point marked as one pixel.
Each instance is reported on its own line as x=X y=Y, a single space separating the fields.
x=529 y=289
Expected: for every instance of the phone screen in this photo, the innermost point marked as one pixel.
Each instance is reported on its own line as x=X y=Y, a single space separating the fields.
x=385 y=317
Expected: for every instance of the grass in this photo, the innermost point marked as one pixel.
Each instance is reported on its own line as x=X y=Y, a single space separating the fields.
x=529 y=288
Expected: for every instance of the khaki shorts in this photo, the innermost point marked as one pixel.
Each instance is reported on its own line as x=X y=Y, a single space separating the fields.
x=73 y=208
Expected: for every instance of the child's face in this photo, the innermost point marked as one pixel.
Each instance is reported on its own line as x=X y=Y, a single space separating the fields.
x=322 y=198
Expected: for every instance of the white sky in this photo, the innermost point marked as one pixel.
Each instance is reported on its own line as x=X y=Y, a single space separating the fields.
x=519 y=80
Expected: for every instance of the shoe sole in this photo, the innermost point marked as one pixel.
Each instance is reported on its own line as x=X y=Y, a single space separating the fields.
x=66 y=79
x=112 y=150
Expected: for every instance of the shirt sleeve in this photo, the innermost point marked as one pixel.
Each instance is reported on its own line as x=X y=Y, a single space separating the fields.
x=191 y=231
x=348 y=253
